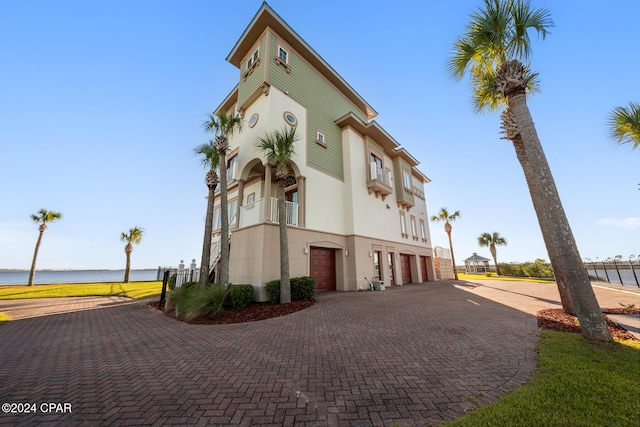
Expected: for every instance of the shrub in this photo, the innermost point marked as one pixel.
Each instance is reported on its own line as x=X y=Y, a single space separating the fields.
x=238 y=296
x=302 y=288
x=273 y=291
x=488 y=274
x=192 y=302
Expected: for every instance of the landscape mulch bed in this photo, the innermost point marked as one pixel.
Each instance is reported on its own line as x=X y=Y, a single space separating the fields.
x=554 y=319
x=252 y=313
x=557 y=320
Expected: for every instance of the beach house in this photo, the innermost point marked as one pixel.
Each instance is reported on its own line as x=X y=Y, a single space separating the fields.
x=356 y=207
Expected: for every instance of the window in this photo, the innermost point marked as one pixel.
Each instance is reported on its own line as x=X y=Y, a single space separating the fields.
x=253 y=120
x=283 y=55
x=423 y=231
x=251 y=63
x=375 y=159
x=290 y=118
x=232 y=211
x=253 y=58
x=406 y=179
x=251 y=198
x=232 y=164
x=414 y=229
x=403 y=225
x=320 y=139
x=216 y=219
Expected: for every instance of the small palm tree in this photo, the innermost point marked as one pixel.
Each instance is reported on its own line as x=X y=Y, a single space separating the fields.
x=133 y=236
x=279 y=148
x=210 y=160
x=492 y=240
x=624 y=125
x=43 y=217
x=444 y=215
x=223 y=126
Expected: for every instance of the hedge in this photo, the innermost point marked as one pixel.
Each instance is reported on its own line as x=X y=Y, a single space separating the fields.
x=302 y=288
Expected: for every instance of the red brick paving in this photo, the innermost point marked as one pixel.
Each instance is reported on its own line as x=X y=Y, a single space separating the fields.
x=413 y=355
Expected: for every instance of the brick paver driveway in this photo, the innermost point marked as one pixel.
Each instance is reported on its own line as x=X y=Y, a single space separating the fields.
x=414 y=355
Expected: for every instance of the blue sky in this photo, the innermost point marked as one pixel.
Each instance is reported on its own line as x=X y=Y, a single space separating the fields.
x=101 y=104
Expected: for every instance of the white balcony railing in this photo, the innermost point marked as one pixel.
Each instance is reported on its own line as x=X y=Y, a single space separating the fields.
x=380 y=174
x=291 y=210
x=253 y=213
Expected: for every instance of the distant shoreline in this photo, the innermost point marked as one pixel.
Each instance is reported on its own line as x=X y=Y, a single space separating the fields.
x=22 y=270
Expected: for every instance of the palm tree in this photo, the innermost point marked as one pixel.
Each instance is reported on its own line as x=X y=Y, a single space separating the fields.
x=279 y=148
x=492 y=52
x=223 y=126
x=134 y=236
x=42 y=217
x=624 y=125
x=210 y=160
x=492 y=240
x=444 y=215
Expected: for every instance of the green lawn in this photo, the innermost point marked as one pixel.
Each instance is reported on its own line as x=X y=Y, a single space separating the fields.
x=135 y=290
x=577 y=383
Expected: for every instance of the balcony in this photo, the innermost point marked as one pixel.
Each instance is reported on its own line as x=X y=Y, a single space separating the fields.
x=253 y=213
x=380 y=182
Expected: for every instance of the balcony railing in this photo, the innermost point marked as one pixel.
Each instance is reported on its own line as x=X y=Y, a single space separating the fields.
x=253 y=213
x=291 y=211
x=380 y=182
x=380 y=174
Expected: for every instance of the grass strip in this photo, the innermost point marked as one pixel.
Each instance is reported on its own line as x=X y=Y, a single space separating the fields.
x=577 y=383
x=135 y=290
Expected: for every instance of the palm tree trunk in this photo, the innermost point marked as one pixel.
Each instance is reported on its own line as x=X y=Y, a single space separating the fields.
x=206 y=244
x=224 y=221
x=127 y=251
x=32 y=273
x=285 y=284
x=554 y=256
x=492 y=249
x=592 y=323
x=453 y=258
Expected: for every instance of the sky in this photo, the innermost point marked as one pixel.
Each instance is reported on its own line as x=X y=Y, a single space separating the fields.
x=102 y=104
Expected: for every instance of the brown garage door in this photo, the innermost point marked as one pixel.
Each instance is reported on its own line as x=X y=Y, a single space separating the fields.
x=323 y=268
x=423 y=268
x=405 y=265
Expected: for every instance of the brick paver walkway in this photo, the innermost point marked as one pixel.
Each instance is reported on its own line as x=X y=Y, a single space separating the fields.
x=414 y=355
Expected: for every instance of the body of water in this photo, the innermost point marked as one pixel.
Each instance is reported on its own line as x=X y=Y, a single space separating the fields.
x=76 y=276
x=620 y=276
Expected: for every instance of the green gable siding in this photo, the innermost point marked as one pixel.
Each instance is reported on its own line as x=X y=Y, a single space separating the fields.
x=324 y=105
x=253 y=82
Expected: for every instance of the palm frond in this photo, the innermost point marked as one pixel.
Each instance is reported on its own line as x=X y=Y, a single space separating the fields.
x=210 y=158
x=279 y=146
x=497 y=33
x=624 y=125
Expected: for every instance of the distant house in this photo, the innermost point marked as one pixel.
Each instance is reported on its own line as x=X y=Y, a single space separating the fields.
x=476 y=264
x=356 y=205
